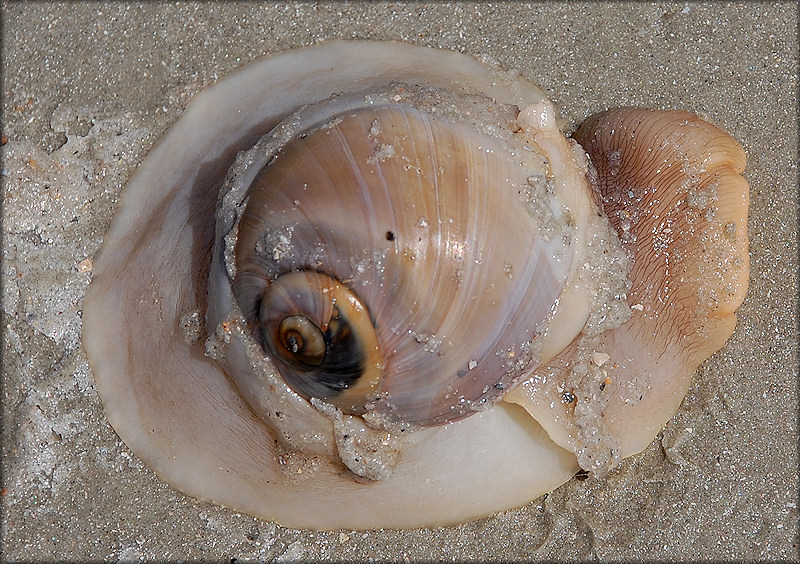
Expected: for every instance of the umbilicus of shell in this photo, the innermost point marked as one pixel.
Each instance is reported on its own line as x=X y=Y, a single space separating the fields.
x=376 y=287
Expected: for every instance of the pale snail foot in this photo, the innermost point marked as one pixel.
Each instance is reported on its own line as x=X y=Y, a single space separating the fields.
x=260 y=446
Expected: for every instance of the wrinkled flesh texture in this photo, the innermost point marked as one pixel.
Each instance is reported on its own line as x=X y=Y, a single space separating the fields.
x=671 y=186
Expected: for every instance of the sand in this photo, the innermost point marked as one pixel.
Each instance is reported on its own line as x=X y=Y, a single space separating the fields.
x=89 y=87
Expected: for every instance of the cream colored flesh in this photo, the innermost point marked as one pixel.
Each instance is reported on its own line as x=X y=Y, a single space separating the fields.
x=174 y=407
x=670 y=184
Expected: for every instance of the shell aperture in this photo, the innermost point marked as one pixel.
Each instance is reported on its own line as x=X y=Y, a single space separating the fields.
x=463 y=390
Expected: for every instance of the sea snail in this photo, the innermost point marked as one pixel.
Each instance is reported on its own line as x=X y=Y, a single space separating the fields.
x=367 y=284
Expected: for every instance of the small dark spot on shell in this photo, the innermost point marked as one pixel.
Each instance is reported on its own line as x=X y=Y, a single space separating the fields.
x=390 y=236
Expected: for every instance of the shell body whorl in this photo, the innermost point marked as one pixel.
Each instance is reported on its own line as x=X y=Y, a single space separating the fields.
x=424 y=220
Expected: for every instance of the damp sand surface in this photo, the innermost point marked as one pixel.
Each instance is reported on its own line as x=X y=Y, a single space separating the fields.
x=89 y=88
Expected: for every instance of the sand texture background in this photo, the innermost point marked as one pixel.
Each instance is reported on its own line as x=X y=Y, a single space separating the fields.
x=88 y=88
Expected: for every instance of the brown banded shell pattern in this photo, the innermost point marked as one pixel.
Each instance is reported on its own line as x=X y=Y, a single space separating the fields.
x=418 y=225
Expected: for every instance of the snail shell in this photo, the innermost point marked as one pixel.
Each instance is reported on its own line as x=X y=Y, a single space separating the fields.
x=412 y=229
x=374 y=316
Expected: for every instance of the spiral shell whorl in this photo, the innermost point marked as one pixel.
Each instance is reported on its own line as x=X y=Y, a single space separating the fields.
x=323 y=336
x=392 y=203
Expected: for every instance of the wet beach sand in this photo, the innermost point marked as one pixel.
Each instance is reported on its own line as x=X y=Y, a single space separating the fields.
x=88 y=88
